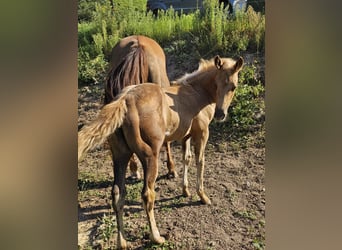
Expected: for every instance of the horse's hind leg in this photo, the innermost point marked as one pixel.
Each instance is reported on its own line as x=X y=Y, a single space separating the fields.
x=121 y=155
x=150 y=164
x=149 y=155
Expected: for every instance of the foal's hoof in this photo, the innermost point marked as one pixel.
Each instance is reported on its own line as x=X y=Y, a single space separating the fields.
x=135 y=176
x=186 y=192
x=158 y=240
x=205 y=200
x=172 y=175
x=122 y=243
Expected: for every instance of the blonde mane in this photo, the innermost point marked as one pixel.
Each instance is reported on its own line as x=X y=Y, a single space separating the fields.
x=204 y=66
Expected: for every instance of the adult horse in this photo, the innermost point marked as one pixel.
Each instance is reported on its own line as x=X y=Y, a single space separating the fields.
x=142 y=117
x=135 y=60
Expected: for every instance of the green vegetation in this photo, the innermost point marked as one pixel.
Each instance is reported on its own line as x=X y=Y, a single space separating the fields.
x=101 y=25
x=107 y=228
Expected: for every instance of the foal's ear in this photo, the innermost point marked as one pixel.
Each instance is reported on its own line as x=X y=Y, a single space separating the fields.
x=238 y=65
x=218 y=62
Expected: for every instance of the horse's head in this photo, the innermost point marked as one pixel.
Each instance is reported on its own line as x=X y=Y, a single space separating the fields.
x=226 y=81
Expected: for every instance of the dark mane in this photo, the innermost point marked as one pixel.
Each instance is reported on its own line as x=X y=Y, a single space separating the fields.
x=131 y=71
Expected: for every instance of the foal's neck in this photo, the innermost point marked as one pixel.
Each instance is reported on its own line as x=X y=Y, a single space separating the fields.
x=204 y=83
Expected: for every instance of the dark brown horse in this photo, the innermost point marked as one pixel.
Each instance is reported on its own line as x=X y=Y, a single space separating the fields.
x=135 y=60
x=144 y=116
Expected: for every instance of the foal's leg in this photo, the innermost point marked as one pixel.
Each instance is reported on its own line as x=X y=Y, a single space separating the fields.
x=170 y=163
x=148 y=155
x=150 y=164
x=200 y=141
x=121 y=155
x=187 y=159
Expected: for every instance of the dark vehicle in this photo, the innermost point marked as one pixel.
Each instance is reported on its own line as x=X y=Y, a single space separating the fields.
x=191 y=5
x=258 y=5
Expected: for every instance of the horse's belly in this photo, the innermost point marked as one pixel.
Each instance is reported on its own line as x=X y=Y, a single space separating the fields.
x=177 y=129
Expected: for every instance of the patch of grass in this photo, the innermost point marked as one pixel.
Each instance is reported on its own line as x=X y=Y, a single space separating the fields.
x=134 y=191
x=245 y=214
x=262 y=223
x=91 y=180
x=166 y=209
x=167 y=245
x=259 y=243
x=231 y=195
x=107 y=227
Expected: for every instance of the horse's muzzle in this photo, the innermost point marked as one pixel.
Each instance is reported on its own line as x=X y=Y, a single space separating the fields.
x=219 y=115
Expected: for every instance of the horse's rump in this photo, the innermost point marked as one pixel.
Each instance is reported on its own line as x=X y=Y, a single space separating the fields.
x=132 y=70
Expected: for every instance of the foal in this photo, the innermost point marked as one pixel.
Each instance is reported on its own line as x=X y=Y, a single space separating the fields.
x=144 y=116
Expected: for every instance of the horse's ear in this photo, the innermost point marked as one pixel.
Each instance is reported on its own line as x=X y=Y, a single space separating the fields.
x=238 y=65
x=218 y=62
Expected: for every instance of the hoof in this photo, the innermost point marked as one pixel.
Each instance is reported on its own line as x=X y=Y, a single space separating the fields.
x=186 y=192
x=122 y=243
x=135 y=176
x=158 y=240
x=172 y=175
x=205 y=200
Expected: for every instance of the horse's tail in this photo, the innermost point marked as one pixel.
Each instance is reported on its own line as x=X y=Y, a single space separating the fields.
x=110 y=118
x=132 y=70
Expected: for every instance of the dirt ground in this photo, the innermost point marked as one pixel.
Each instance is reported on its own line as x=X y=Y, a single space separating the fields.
x=234 y=181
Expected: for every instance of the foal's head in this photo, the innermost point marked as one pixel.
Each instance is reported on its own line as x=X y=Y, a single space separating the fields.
x=226 y=81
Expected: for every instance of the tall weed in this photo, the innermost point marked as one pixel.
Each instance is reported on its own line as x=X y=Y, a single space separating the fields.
x=209 y=31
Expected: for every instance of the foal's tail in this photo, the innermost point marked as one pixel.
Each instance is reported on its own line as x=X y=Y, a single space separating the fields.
x=110 y=118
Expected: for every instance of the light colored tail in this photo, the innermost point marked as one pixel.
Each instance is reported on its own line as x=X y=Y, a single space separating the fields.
x=110 y=118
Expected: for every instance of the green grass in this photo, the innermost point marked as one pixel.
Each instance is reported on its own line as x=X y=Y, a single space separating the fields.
x=167 y=245
x=107 y=227
x=134 y=192
x=245 y=214
x=259 y=243
x=212 y=31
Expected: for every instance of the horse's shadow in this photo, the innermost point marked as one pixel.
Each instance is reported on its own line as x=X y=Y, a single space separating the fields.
x=131 y=206
x=98 y=212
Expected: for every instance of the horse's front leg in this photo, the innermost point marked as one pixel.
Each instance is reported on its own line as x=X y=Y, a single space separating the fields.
x=200 y=140
x=187 y=158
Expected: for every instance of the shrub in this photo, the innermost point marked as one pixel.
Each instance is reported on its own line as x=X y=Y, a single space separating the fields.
x=90 y=70
x=247 y=111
